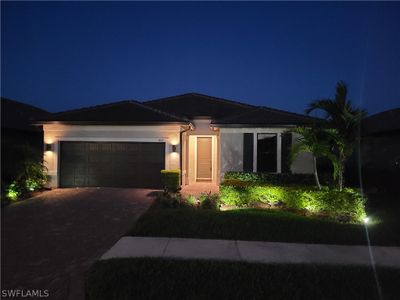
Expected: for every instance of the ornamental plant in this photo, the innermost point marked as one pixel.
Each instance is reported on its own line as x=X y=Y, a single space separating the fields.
x=31 y=178
x=13 y=191
x=345 y=119
x=348 y=204
x=318 y=143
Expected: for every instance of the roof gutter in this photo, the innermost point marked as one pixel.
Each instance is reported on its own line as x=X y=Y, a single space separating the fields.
x=255 y=125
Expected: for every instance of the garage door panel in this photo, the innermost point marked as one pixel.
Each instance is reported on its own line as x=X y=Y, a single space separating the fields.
x=118 y=164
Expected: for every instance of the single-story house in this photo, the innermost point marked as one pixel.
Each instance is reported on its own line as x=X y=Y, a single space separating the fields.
x=377 y=159
x=127 y=143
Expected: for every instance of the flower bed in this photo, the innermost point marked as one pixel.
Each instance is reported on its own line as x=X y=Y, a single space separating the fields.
x=346 y=205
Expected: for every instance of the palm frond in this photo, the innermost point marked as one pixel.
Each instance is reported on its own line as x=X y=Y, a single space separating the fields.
x=326 y=105
x=296 y=150
x=341 y=94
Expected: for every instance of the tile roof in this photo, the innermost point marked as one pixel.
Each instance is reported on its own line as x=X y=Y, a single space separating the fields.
x=180 y=109
x=194 y=105
x=383 y=122
x=265 y=116
x=122 y=112
x=18 y=115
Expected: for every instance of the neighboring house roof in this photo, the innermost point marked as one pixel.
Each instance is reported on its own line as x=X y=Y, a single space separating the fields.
x=383 y=122
x=122 y=112
x=260 y=116
x=194 y=105
x=20 y=116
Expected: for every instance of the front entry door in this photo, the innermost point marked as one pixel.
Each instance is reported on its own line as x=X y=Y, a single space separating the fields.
x=204 y=158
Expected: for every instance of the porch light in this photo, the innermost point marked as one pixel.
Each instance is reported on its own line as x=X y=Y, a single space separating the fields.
x=48 y=147
x=173 y=148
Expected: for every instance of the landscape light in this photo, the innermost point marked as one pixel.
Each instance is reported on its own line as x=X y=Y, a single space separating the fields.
x=366 y=220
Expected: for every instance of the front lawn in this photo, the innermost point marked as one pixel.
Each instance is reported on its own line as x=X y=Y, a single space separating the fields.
x=154 y=278
x=262 y=225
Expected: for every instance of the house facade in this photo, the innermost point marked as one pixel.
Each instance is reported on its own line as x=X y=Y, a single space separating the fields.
x=375 y=164
x=127 y=143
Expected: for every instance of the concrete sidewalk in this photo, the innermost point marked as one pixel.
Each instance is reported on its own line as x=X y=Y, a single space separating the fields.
x=262 y=252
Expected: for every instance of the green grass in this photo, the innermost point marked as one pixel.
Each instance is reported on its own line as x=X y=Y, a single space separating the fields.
x=261 y=225
x=150 y=278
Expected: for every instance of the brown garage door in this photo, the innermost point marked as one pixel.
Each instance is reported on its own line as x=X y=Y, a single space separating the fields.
x=111 y=164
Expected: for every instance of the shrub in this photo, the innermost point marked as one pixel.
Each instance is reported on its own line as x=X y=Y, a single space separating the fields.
x=276 y=179
x=171 y=180
x=31 y=178
x=346 y=205
x=209 y=201
x=13 y=191
x=171 y=200
x=191 y=200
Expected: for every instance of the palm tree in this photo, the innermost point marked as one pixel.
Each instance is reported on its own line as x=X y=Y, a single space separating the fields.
x=342 y=116
x=317 y=142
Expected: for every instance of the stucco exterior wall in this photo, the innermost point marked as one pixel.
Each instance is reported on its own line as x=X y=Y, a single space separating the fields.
x=231 y=152
x=201 y=127
x=303 y=164
x=54 y=133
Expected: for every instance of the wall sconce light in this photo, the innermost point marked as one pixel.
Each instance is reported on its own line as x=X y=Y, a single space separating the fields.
x=48 y=147
x=173 y=148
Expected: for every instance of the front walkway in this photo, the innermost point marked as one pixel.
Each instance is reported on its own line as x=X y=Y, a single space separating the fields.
x=49 y=241
x=197 y=188
x=260 y=252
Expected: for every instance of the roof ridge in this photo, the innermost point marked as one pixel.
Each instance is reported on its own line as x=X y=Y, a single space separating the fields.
x=158 y=110
x=388 y=111
x=25 y=104
x=91 y=107
x=132 y=102
x=166 y=98
x=288 y=112
x=263 y=108
x=225 y=100
x=238 y=103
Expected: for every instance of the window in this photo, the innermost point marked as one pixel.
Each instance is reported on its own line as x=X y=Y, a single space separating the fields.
x=266 y=152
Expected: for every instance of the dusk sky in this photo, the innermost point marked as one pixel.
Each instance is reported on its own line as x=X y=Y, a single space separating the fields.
x=60 y=56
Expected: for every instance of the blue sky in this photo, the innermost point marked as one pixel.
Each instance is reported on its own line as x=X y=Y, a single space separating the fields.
x=66 y=55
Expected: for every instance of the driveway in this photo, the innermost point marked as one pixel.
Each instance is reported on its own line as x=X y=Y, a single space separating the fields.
x=49 y=241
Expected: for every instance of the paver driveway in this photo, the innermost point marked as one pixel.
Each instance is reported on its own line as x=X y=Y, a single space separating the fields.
x=49 y=241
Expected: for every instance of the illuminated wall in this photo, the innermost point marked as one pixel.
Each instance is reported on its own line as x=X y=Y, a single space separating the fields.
x=232 y=150
x=54 y=133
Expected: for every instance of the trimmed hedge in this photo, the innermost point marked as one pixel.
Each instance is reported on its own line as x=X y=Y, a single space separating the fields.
x=276 y=178
x=171 y=180
x=346 y=205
